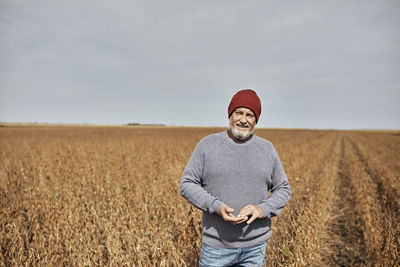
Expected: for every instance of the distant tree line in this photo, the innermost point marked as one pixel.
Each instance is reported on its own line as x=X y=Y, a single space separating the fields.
x=144 y=124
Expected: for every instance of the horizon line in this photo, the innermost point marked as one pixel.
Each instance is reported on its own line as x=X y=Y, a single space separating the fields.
x=27 y=124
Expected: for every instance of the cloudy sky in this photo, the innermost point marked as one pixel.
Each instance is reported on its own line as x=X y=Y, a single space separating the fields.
x=314 y=64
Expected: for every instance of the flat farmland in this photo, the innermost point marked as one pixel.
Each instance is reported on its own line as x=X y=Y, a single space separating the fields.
x=86 y=195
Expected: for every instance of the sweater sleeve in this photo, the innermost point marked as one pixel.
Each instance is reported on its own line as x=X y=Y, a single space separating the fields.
x=191 y=184
x=280 y=191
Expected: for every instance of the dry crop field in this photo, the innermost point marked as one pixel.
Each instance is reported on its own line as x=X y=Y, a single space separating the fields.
x=93 y=196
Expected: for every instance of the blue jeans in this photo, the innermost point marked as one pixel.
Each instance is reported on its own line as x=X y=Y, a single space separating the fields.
x=250 y=257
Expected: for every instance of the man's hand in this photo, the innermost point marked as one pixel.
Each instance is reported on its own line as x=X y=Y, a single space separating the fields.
x=227 y=214
x=251 y=210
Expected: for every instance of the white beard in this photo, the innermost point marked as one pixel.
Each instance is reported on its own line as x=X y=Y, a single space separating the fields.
x=241 y=135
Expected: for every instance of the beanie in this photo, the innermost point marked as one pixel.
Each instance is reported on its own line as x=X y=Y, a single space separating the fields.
x=245 y=99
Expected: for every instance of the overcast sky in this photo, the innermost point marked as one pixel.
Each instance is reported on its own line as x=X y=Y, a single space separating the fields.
x=314 y=64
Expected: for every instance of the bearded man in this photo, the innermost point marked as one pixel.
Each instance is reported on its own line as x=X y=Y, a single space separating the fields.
x=229 y=177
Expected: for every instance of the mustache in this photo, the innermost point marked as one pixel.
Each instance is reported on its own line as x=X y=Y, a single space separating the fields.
x=242 y=124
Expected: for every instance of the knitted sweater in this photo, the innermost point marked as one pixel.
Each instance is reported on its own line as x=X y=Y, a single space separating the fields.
x=223 y=171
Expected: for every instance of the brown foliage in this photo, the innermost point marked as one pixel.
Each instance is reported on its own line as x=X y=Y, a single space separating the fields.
x=109 y=196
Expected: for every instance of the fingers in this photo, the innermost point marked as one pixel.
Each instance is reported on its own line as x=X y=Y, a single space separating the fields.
x=227 y=214
x=243 y=219
x=252 y=219
x=251 y=211
x=243 y=213
x=224 y=210
x=233 y=219
x=229 y=210
x=246 y=211
x=230 y=214
x=247 y=206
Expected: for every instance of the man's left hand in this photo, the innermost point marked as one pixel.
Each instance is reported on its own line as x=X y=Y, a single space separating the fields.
x=251 y=210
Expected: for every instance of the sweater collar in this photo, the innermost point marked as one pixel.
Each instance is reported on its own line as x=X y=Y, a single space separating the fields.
x=238 y=143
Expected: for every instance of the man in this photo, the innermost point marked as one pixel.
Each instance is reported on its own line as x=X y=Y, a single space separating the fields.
x=228 y=177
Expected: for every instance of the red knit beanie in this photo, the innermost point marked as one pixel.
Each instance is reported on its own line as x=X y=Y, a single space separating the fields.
x=245 y=99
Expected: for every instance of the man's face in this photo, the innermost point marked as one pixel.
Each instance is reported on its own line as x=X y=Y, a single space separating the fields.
x=242 y=122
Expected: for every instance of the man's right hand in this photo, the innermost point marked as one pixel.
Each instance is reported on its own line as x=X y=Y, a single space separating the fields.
x=227 y=214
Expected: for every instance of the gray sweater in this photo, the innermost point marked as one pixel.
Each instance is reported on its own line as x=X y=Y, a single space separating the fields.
x=222 y=171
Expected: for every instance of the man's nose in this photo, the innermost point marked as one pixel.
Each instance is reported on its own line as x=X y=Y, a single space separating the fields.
x=243 y=119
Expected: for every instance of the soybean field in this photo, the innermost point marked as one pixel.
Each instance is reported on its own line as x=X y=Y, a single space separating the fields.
x=109 y=196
